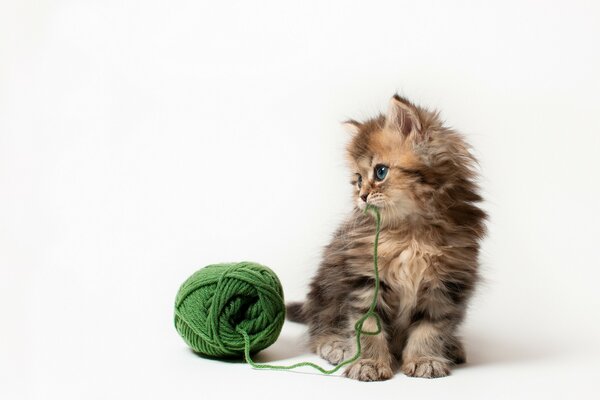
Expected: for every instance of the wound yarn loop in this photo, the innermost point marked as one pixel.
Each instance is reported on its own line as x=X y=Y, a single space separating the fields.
x=237 y=309
x=217 y=301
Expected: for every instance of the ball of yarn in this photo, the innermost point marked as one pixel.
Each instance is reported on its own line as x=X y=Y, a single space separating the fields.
x=218 y=301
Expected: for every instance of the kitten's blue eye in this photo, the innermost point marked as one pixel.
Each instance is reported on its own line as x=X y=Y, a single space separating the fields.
x=380 y=172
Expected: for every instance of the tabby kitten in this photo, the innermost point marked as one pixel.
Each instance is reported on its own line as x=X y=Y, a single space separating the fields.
x=421 y=176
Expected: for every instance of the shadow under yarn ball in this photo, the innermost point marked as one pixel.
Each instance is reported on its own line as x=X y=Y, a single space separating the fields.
x=218 y=302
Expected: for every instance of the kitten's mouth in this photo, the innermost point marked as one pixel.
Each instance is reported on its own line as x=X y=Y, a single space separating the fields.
x=363 y=205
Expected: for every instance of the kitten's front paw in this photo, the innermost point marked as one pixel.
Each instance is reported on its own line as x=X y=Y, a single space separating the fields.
x=369 y=370
x=335 y=351
x=426 y=367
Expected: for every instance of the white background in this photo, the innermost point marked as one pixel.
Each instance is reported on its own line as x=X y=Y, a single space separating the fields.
x=142 y=140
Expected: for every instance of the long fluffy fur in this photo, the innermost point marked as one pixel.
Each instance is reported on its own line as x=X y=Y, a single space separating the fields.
x=428 y=249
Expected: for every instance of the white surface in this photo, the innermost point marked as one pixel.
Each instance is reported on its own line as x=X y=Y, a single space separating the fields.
x=142 y=140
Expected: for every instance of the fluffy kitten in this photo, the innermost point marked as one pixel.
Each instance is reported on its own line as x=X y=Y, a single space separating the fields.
x=421 y=176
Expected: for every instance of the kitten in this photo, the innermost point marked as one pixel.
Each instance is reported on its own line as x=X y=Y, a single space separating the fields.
x=421 y=176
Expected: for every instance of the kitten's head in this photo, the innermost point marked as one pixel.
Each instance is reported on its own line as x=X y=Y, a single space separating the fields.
x=409 y=165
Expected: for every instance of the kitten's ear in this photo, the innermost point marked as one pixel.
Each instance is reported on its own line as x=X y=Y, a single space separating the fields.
x=402 y=116
x=351 y=126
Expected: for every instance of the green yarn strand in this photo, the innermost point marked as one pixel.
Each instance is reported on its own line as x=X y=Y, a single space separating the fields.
x=358 y=326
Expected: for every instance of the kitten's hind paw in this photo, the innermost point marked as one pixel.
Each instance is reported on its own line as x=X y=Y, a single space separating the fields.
x=369 y=370
x=335 y=351
x=426 y=367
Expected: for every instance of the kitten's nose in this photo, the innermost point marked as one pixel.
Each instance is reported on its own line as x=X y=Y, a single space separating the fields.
x=364 y=197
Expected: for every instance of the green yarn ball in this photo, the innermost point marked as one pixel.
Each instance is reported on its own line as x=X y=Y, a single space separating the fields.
x=218 y=301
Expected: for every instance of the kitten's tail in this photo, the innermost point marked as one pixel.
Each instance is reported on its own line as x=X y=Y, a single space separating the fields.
x=295 y=312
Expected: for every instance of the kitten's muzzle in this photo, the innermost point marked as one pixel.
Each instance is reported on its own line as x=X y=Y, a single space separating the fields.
x=364 y=197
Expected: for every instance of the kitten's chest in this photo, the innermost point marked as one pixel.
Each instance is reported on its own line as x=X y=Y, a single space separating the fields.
x=406 y=265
